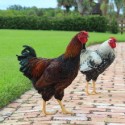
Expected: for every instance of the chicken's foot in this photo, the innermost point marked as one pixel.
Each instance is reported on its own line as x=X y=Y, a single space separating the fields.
x=63 y=108
x=44 y=109
x=94 y=89
x=87 y=87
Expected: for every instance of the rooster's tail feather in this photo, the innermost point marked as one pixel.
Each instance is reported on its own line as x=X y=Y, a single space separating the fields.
x=26 y=54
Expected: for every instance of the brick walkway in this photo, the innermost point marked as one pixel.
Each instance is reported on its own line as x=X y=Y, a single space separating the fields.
x=107 y=108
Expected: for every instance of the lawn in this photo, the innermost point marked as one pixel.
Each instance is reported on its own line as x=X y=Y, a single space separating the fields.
x=47 y=44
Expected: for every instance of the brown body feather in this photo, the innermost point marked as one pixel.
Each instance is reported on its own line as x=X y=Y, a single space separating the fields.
x=37 y=66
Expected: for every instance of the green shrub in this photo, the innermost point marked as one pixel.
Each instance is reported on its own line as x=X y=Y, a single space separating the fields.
x=69 y=24
x=97 y=23
x=19 y=22
x=113 y=26
x=76 y=23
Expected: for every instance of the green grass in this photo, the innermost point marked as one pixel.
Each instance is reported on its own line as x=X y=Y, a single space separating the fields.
x=47 y=44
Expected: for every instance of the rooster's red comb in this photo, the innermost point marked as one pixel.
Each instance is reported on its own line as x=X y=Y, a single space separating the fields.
x=85 y=32
x=113 y=38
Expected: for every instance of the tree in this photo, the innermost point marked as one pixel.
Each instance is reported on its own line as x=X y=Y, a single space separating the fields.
x=85 y=6
x=119 y=6
x=67 y=4
x=80 y=6
x=15 y=7
x=123 y=8
x=104 y=7
x=96 y=8
x=111 y=9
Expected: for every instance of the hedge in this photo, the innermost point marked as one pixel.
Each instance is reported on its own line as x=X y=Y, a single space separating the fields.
x=89 y=23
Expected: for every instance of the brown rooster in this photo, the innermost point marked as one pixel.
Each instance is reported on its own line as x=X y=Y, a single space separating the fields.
x=51 y=76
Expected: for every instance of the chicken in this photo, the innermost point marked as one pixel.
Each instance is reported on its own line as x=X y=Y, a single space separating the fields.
x=51 y=76
x=94 y=62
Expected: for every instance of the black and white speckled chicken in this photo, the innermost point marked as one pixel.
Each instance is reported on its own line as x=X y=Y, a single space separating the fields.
x=94 y=62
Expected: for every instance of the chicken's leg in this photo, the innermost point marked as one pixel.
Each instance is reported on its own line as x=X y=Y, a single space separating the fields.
x=94 y=88
x=63 y=108
x=87 y=87
x=44 y=109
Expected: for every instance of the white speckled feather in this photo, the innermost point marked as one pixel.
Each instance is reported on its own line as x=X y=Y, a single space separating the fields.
x=90 y=59
x=85 y=59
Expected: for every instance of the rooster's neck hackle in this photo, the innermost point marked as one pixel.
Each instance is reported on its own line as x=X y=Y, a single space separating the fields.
x=73 y=49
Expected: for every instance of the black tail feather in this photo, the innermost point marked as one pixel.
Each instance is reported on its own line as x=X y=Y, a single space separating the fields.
x=29 y=50
x=26 y=54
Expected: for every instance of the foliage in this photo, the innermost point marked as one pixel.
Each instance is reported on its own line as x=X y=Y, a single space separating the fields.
x=32 y=11
x=67 y=4
x=17 y=17
x=16 y=7
x=104 y=7
x=18 y=22
x=71 y=23
x=114 y=26
x=88 y=6
x=119 y=6
x=97 y=23
x=83 y=6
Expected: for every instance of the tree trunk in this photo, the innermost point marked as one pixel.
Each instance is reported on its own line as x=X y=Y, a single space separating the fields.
x=118 y=11
x=104 y=7
x=67 y=8
x=124 y=8
x=80 y=6
x=100 y=1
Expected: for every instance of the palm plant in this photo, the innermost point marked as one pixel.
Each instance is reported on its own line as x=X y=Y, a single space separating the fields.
x=119 y=6
x=124 y=8
x=111 y=9
x=67 y=4
x=104 y=6
x=85 y=6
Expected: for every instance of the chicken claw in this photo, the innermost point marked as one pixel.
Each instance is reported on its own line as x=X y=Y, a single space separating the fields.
x=44 y=110
x=94 y=93
x=49 y=113
x=87 y=86
x=66 y=112
x=94 y=89
x=63 y=108
x=87 y=93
